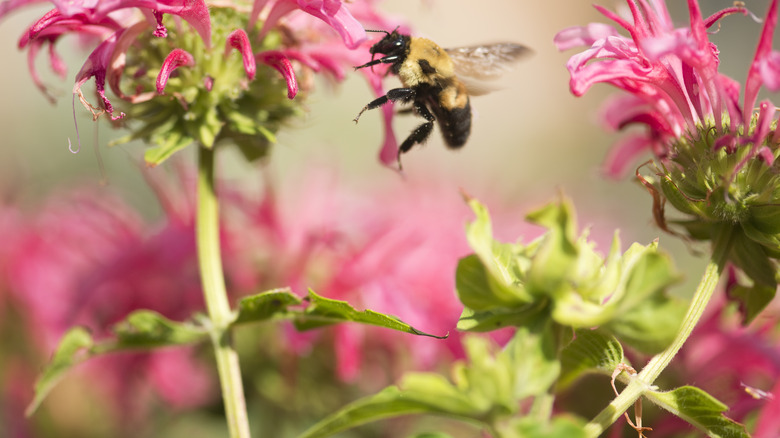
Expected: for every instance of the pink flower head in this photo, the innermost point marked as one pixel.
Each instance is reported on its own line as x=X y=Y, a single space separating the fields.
x=131 y=41
x=672 y=73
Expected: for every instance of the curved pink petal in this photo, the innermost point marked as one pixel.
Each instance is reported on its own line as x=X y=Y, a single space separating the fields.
x=280 y=62
x=769 y=70
x=754 y=78
x=332 y=12
x=239 y=40
x=177 y=58
x=624 y=154
x=578 y=36
x=96 y=65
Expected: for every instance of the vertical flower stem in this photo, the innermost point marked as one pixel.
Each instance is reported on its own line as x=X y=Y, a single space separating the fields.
x=643 y=381
x=213 y=280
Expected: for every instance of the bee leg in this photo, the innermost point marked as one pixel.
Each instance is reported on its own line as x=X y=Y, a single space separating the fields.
x=421 y=133
x=402 y=94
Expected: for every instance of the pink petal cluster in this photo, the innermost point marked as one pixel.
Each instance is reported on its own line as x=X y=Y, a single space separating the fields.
x=116 y=24
x=672 y=79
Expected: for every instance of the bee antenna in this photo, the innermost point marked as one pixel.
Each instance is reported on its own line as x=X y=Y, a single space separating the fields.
x=378 y=31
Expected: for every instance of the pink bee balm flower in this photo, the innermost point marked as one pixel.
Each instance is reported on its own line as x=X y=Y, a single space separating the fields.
x=180 y=78
x=714 y=152
x=672 y=74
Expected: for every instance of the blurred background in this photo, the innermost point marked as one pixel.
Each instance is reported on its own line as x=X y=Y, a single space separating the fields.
x=531 y=140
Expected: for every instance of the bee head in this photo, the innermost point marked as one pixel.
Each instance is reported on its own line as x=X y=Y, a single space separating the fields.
x=393 y=43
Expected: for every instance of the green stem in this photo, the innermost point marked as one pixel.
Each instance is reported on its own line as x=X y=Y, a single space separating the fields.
x=212 y=277
x=644 y=380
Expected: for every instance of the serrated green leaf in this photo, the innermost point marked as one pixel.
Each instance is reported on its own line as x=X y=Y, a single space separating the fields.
x=699 y=409
x=324 y=311
x=71 y=351
x=265 y=305
x=591 y=350
x=143 y=329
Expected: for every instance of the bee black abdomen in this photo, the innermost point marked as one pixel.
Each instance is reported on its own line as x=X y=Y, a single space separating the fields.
x=455 y=125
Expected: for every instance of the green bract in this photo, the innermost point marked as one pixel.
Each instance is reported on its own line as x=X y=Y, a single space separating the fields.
x=726 y=192
x=230 y=108
x=561 y=276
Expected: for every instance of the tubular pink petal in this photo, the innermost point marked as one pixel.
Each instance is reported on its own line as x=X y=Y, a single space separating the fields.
x=753 y=81
x=57 y=64
x=116 y=65
x=160 y=31
x=96 y=65
x=765 y=154
x=577 y=36
x=623 y=154
x=769 y=71
x=331 y=65
x=332 y=12
x=257 y=7
x=280 y=62
x=304 y=59
x=239 y=40
x=177 y=58
x=278 y=10
x=617 y=19
x=31 y=55
x=195 y=12
x=714 y=18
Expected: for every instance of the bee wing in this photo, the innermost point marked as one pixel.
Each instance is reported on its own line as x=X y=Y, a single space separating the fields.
x=485 y=62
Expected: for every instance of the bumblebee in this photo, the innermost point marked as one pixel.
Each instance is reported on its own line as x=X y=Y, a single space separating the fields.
x=430 y=79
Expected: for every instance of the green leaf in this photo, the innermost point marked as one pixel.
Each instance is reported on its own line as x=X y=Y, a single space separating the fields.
x=324 y=311
x=145 y=329
x=591 y=350
x=142 y=329
x=752 y=299
x=71 y=351
x=390 y=402
x=699 y=409
x=492 y=276
x=650 y=326
x=557 y=254
x=750 y=256
x=265 y=305
x=473 y=321
x=560 y=427
x=531 y=357
x=157 y=154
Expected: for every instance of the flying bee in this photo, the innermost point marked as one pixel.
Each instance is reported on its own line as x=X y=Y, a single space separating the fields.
x=430 y=78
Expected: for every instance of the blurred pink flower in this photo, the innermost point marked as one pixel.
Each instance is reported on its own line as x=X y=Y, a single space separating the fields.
x=393 y=250
x=85 y=258
x=671 y=75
